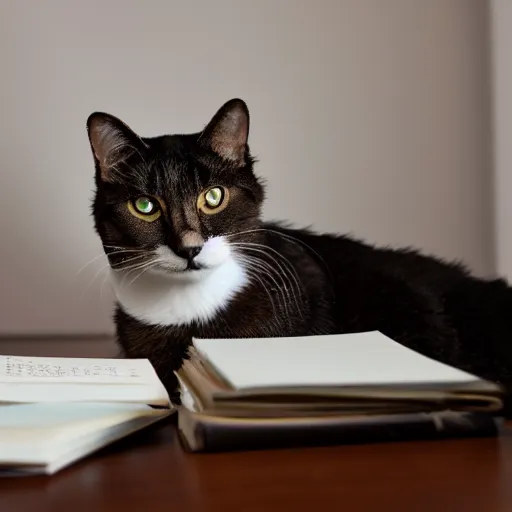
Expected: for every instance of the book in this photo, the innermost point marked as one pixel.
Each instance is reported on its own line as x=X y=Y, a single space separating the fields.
x=251 y=393
x=56 y=411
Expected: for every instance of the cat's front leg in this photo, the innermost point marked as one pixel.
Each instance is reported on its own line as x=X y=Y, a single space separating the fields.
x=164 y=347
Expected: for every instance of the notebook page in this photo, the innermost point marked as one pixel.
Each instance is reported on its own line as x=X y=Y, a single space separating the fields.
x=333 y=360
x=38 y=417
x=26 y=379
x=37 y=433
x=83 y=370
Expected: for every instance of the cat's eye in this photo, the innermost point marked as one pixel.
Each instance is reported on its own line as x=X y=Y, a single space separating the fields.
x=213 y=197
x=145 y=208
x=144 y=205
x=213 y=200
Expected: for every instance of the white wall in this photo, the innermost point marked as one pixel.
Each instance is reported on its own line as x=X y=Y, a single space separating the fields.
x=367 y=116
x=501 y=23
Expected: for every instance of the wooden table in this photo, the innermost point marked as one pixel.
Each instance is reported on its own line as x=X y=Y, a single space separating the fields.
x=151 y=471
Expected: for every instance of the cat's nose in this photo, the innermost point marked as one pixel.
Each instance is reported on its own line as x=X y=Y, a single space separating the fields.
x=188 y=253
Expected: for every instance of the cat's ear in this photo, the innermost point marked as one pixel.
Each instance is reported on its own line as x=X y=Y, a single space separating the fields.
x=112 y=142
x=227 y=133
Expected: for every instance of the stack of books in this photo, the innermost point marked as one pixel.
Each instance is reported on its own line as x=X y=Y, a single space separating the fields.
x=240 y=394
x=261 y=393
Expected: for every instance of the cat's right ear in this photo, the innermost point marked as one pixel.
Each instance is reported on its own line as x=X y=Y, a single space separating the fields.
x=226 y=134
x=112 y=142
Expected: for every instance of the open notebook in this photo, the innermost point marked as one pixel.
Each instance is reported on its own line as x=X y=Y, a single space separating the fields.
x=55 y=411
x=261 y=386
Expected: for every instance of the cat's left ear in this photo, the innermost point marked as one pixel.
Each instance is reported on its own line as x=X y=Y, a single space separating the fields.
x=112 y=141
x=227 y=133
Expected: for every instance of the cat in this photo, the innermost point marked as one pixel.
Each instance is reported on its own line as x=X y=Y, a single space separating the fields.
x=179 y=217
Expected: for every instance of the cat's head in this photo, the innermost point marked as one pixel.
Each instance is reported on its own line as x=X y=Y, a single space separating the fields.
x=170 y=204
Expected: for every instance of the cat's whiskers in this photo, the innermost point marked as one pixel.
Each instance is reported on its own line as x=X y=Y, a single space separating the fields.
x=286 y=290
x=144 y=268
x=135 y=267
x=263 y=248
x=266 y=269
x=246 y=261
x=253 y=276
x=288 y=237
x=120 y=247
x=122 y=250
x=83 y=267
x=287 y=271
x=278 y=233
x=91 y=282
x=291 y=298
x=122 y=265
x=139 y=253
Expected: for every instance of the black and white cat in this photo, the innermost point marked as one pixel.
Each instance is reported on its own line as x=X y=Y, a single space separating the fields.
x=179 y=218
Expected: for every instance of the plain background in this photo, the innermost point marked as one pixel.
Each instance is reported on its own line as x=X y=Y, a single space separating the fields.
x=371 y=117
x=501 y=65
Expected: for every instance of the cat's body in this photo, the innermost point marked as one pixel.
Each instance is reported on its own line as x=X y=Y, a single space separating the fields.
x=186 y=268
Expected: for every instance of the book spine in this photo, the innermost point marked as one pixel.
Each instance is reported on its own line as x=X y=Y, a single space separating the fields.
x=203 y=435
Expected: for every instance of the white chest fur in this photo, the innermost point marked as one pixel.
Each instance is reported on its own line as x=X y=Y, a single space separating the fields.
x=178 y=299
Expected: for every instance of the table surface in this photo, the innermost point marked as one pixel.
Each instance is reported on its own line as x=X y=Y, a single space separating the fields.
x=151 y=471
